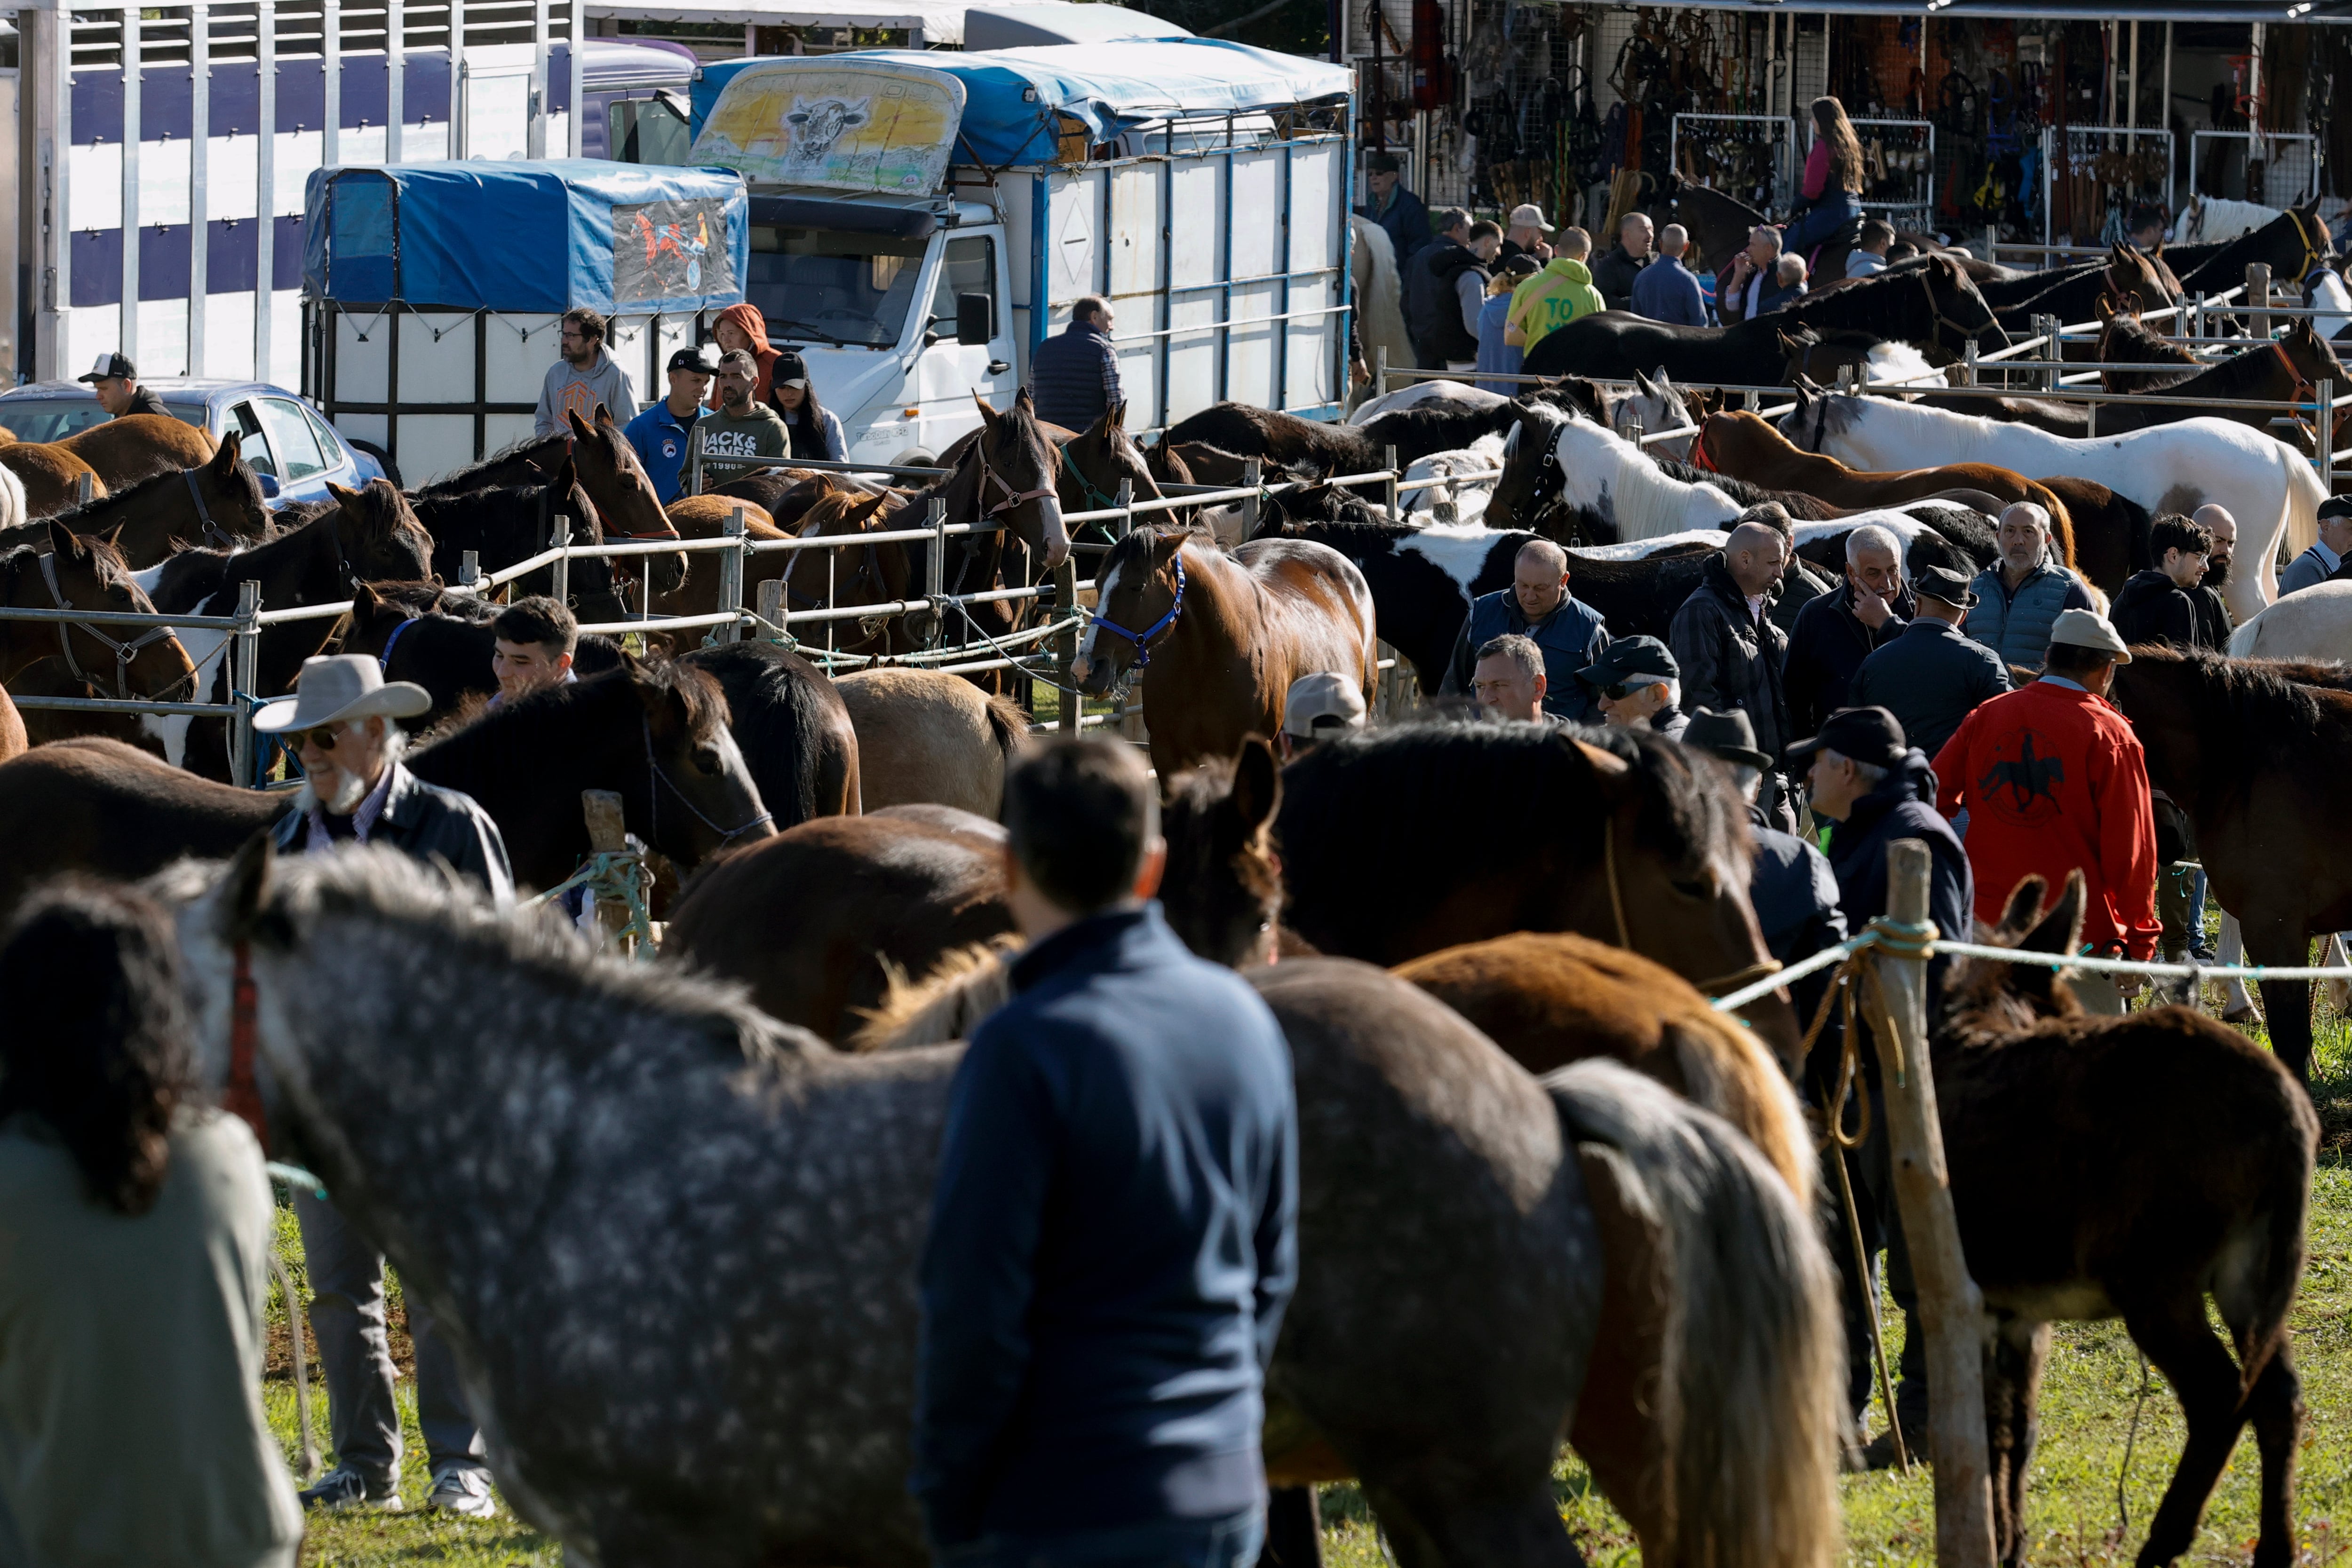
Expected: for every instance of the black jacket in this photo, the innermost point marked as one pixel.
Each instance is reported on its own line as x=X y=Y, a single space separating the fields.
x=1074 y=375
x=2152 y=608
x=1929 y=678
x=1729 y=659
x=1614 y=275
x=1903 y=806
x=144 y=401
x=1433 y=303
x=2213 y=625
x=1826 y=646
x=1794 y=891
x=427 y=822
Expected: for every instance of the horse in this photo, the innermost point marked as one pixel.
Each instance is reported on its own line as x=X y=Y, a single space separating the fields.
x=219 y=504
x=115 y=661
x=1093 y=462
x=429 y=636
x=1744 y=446
x=2289 y=244
x=49 y=476
x=1610 y=835
x=2314 y=626
x=2250 y=749
x=504 y=525
x=622 y=502
x=926 y=736
x=367 y=535
x=791 y=726
x=1458 y=394
x=2126 y=339
x=2178 y=467
x=1373 y=267
x=130 y=447
x=740 y=1170
x=1219 y=637
x=2127 y=274
x=840 y=577
x=655 y=734
x=2124 y=1167
x=13 y=741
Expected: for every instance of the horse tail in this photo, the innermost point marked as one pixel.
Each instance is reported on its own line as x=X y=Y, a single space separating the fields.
x=2303 y=495
x=2242 y=640
x=1007 y=725
x=2263 y=1266
x=1747 y=1399
x=965 y=986
x=1727 y=1070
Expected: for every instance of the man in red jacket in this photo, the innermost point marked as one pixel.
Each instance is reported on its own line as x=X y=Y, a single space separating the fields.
x=2055 y=780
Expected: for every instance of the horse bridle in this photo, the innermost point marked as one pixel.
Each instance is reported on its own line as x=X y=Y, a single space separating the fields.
x=1142 y=639
x=1713 y=984
x=1935 y=310
x=383 y=659
x=1013 y=497
x=653 y=799
x=213 y=533
x=125 y=653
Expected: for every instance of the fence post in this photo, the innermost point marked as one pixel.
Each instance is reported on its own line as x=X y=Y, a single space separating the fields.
x=935 y=578
x=771 y=608
x=1969 y=364
x=1068 y=707
x=244 y=675
x=2323 y=434
x=469 y=569
x=1381 y=370
x=730 y=576
x=559 y=570
x=1125 y=501
x=1389 y=484
x=694 y=461
x=2258 y=294
x=1950 y=1308
x=82 y=488
x=2046 y=328
x=2196 y=316
x=1253 y=475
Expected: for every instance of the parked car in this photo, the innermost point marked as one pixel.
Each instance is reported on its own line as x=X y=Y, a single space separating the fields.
x=295 y=451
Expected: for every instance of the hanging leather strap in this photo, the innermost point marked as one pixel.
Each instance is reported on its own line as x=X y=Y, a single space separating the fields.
x=242 y=1098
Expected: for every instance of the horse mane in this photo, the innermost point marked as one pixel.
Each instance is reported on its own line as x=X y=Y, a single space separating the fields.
x=2267 y=714
x=544 y=723
x=1136 y=549
x=1800 y=507
x=447 y=926
x=945 y=1004
x=86 y=518
x=472 y=476
x=1649 y=501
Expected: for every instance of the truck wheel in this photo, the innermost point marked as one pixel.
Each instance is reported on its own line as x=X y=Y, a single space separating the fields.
x=915 y=457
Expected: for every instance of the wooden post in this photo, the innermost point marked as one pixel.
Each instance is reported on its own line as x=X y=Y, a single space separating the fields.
x=730 y=575
x=82 y=488
x=771 y=608
x=469 y=569
x=1253 y=475
x=1950 y=1308
x=608 y=833
x=1969 y=364
x=2258 y=294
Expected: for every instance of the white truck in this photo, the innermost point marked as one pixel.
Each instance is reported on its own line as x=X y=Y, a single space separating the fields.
x=921 y=221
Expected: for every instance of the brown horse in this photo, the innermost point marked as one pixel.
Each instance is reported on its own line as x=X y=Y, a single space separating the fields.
x=2127 y=1168
x=79 y=573
x=844 y=576
x=626 y=506
x=12 y=728
x=217 y=503
x=1093 y=461
x=1219 y=637
x=1745 y=446
x=51 y=475
x=2126 y=339
x=927 y=737
x=125 y=450
x=2254 y=751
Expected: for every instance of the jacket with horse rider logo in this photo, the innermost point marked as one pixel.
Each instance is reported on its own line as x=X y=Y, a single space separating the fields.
x=2055 y=780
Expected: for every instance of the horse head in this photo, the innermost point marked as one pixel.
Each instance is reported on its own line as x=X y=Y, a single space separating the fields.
x=1990 y=997
x=702 y=797
x=376 y=536
x=86 y=571
x=1223 y=891
x=1095 y=460
x=1656 y=407
x=607 y=471
x=1016 y=479
x=1138 y=602
x=1531 y=480
x=1959 y=312
x=231 y=507
x=2313 y=360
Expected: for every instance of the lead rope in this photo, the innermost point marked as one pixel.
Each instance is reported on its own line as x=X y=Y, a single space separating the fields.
x=242 y=1097
x=1609 y=868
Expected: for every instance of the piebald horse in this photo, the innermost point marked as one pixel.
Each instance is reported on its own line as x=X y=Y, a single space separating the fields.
x=1218 y=638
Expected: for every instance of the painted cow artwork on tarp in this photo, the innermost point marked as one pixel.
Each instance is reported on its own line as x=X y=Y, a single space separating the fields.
x=670 y=250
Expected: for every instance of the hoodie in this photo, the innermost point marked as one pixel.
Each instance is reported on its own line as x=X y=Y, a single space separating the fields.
x=2152 y=608
x=754 y=326
x=1553 y=298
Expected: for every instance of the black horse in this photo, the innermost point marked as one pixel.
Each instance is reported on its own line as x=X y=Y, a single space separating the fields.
x=505 y=524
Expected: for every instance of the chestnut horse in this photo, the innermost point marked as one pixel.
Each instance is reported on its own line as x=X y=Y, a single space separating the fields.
x=125 y=450
x=51 y=475
x=1219 y=637
x=840 y=578
x=217 y=503
x=114 y=661
x=1743 y=446
x=2256 y=752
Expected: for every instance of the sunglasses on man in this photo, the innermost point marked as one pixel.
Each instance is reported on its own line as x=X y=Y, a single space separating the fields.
x=1618 y=691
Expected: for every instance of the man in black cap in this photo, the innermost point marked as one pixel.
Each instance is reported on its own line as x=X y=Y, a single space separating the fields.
x=115 y=379
x=1636 y=683
x=661 y=433
x=1876 y=789
x=1790 y=885
x=2318 y=564
x=1394 y=208
x=1931 y=677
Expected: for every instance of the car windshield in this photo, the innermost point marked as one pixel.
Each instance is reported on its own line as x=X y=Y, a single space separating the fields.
x=832 y=288
x=55 y=418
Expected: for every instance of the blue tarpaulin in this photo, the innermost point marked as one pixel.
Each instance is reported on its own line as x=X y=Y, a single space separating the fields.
x=527 y=236
x=1011 y=96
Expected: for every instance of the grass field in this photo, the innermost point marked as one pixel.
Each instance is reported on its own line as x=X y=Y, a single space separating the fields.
x=2088 y=1401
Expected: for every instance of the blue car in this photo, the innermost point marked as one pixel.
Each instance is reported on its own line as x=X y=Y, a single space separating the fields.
x=297 y=453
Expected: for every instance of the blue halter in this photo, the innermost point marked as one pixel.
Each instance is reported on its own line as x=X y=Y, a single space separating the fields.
x=1142 y=653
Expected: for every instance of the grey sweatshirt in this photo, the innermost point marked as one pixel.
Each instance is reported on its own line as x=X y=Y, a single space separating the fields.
x=569 y=390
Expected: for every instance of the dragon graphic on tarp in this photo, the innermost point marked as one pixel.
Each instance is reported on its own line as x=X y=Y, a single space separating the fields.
x=669 y=250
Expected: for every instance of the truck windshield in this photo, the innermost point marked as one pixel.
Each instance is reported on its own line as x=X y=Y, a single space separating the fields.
x=832 y=286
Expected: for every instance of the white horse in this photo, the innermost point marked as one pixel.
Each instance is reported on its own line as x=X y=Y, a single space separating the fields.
x=2315 y=625
x=1459 y=500
x=1380 y=294
x=1461 y=395
x=2268 y=487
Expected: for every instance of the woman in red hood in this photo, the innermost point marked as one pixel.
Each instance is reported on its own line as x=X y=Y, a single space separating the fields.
x=741 y=326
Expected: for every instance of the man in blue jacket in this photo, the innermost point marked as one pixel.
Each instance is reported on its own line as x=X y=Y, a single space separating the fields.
x=1112 y=1240
x=1666 y=290
x=1539 y=606
x=2021 y=599
x=1393 y=207
x=1074 y=376
x=660 y=433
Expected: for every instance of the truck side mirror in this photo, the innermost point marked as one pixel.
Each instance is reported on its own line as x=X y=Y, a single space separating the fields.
x=975 y=318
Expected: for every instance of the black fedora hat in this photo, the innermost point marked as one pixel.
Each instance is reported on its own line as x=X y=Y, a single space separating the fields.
x=1730 y=735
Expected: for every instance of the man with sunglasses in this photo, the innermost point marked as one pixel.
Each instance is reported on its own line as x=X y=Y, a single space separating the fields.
x=354 y=791
x=1637 y=685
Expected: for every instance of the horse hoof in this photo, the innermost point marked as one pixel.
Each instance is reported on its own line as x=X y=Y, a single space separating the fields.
x=2241 y=1015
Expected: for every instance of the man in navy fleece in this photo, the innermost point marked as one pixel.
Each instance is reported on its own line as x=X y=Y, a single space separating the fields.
x=1112 y=1241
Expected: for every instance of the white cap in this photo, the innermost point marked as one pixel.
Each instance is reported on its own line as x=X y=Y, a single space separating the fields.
x=1320 y=702
x=1528 y=215
x=2089 y=629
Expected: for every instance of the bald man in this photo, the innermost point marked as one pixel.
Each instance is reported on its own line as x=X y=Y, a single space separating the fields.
x=1730 y=652
x=1615 y=273
x=1539 y=607
x=1667 y=290
x=1834 y=633
x=2213 y=623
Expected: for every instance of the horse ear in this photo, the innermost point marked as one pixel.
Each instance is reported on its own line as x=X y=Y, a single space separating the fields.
x=1115 y=417
x=1257 y=784
x=1642 y=379
x=867 y=509
x=2023 y=910
x=244 y=887
x=579 y=426
x=2060 y=930
x=63 y=543
x=1511 y=442
x=231 y=449
x=344 y=495
x=987 y=411
x=605 y=415
x=365 y=605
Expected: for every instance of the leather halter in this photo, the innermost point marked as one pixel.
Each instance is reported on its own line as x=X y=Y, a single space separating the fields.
x=1142 y=639
x=1013 y=497
x=213 y=532
x=242 y=1097
x=653 y=799
x=1935 y=310
x=125 y=654
x=383 y=659
x=1698 y=457
x=2311 y=252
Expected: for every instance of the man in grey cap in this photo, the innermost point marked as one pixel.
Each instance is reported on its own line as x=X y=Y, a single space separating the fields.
x=1319 y=707
x=1636 y=684
x=115 y=379
x=354 y=791
x=1930 y=677
x=1525 y=235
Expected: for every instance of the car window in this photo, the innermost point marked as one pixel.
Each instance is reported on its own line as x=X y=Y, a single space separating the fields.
x=968 y=268
x=195 y=413
x=293 y=441
x=49 y=419
x=254 y=443
x=330 y=443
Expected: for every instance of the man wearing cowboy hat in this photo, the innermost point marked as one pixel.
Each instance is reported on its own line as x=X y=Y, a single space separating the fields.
x=354 y=791
x=1931 y=677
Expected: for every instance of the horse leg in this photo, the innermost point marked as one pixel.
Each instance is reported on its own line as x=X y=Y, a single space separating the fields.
x=1294 y=1532
x=1523 y=1529
x=2237 y=1002
x=2176 y=1338
x=2286 y=1004
x=2275 y=1406
x=2013 y=1379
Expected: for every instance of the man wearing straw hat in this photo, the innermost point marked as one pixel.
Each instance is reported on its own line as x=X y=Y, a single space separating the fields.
x=354 y=791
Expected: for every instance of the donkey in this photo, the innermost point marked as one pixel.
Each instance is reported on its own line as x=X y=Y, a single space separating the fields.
x=2124 y=1167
